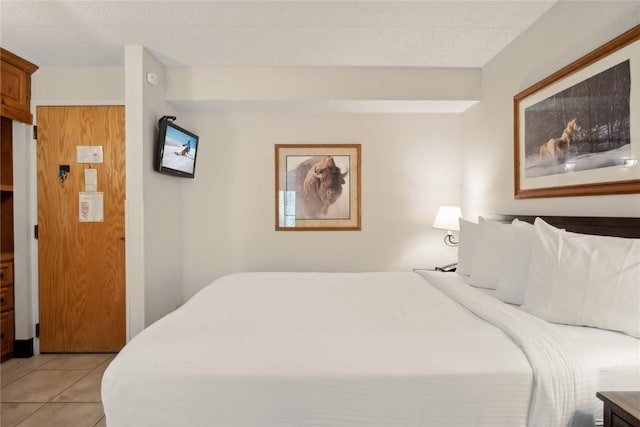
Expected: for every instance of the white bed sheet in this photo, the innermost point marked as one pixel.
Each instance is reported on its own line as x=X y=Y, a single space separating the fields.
x=319 y=349
x=569 y=363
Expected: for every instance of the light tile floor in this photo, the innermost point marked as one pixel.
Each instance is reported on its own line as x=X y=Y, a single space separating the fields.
x=53 y=390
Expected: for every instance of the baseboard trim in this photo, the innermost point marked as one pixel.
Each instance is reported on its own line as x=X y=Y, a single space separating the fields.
x=23 y=349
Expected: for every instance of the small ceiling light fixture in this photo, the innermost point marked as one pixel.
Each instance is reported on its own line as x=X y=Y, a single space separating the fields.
x=447 y=219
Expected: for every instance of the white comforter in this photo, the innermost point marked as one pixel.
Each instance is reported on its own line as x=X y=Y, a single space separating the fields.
x=339 y=349
x=569 y=363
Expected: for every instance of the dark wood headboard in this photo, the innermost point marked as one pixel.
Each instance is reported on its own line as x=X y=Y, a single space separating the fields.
x=600 y=225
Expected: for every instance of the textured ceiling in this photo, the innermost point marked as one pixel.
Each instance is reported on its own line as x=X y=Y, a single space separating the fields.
x=266 y=33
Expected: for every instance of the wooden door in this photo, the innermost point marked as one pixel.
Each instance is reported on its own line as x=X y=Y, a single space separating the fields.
x=81 y=264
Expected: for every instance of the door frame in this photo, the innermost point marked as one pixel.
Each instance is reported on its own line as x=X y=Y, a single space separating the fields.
x=134 y=231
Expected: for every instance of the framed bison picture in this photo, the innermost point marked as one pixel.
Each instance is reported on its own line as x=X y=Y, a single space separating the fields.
x=317 y=187
x=577 y=132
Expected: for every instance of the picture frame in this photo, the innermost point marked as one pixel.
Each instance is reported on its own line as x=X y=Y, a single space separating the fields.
x=577 y=132
x=317 y=187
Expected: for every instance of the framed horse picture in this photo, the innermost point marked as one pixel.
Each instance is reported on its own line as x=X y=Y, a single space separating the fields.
x=577 y=132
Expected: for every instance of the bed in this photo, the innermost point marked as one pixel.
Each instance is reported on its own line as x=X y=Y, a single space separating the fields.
x=416 y=348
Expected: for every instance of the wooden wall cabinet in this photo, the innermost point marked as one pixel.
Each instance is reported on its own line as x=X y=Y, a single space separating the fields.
x=15 y=87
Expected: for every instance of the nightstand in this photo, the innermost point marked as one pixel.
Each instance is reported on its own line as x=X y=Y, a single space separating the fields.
x=621 y=408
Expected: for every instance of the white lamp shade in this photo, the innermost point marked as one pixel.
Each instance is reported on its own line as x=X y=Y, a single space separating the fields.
x=447 y=218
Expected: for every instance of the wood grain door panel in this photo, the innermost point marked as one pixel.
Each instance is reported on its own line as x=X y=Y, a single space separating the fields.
x=81 y=264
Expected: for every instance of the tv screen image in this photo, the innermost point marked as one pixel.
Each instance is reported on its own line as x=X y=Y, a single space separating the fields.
x=179 y=149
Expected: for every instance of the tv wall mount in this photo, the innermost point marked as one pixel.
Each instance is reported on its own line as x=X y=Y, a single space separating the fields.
x=165 y=119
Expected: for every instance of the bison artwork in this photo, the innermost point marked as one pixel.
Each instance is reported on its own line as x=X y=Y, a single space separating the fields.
x=318 y=184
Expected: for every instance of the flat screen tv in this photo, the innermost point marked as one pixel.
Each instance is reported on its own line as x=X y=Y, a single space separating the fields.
x=176 y=149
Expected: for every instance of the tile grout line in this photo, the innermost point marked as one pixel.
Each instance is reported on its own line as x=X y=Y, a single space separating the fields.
x=28 y=415
x=97 y=369
x=34 y=413
x=28 y=371
x=15 y=379
x=71 y=385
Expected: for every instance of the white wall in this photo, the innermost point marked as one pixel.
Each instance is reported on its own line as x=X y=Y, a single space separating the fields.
x=78 y=86
x=410 y=166
x=134 y=202
x=154 y=208
x=163 y=210
x=23 y=147
x=322 y=84
x=567 y=32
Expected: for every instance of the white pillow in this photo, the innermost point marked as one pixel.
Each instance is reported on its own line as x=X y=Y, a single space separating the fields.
x=513 y=282
x=584 y=280
x=491 y=253
x=466 y=248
